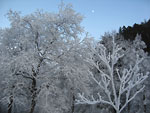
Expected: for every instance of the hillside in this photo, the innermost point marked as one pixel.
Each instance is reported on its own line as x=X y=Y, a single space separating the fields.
x=130 y=32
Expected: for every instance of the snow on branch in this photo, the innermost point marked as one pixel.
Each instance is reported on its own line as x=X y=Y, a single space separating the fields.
x=128 y=79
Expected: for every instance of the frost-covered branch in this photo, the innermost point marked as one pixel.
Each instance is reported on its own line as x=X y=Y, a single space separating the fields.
x=128 y=79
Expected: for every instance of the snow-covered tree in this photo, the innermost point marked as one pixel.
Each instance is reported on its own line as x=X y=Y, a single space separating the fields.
x=41 y=48
x=115 y=83
x=130 y=49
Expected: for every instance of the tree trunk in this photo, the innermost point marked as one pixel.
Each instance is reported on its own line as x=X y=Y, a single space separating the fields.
x=34 y=94
x=117 y=111
x=144 y=108
x=144 y=104
x=33 y=88
x=129 y=107
x=32 y=105
x=10 y=104
x=72 y=107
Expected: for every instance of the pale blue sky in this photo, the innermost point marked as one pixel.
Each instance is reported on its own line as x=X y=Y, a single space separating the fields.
x=100 y=15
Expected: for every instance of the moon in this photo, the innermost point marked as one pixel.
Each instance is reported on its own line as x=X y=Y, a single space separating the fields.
x=93 y=11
